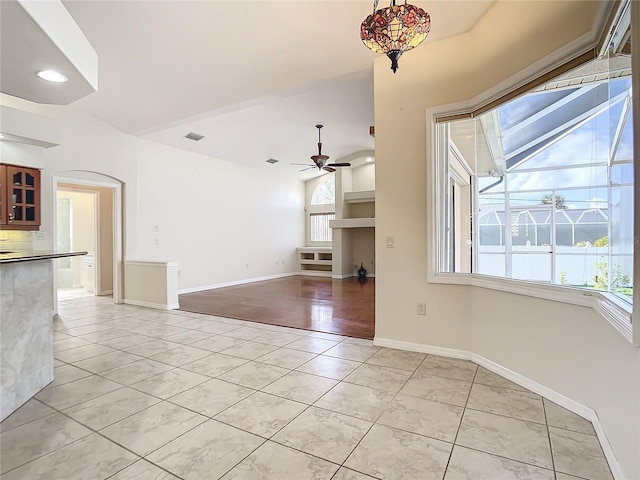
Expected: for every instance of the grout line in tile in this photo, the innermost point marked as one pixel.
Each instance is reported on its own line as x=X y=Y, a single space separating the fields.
x=30 y=421
x=464 y=409
x=270 y=438
x=506 y=388
x=308 y=406
x=142 y=459
x=546 y=424
x=506 y=458
x=48 y=453
x=504 y=416
x=375 y=422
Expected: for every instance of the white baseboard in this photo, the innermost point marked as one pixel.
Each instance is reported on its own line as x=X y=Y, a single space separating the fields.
x=235 y=282
x=302 y=273
x=341 y=277
x=549 y=394
x=536 y=387
x=157 y=306
x=419 y=347
x=312 y=273
x=106 y=292
x=349 y=275
x=566 y=402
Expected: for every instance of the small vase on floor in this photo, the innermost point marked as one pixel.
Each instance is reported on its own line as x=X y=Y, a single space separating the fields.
x=362 y=273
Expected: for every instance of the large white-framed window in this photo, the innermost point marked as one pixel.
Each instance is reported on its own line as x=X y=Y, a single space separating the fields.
x=321 y=211
x=536 y=195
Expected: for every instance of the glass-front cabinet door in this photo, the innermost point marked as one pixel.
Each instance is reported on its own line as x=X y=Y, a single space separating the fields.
x=21 y=202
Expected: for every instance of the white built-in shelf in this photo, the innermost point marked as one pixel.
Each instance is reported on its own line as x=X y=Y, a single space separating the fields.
x=316 y=261
x=360 y=197
x=353 y=223
x=324 y=250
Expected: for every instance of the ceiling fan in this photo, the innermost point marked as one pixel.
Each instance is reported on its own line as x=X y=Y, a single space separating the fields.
x=320 y=161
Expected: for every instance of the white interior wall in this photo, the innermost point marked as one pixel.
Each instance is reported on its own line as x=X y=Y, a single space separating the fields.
x=360 y=210
x=363 y=239
x=483 y=58
x=222 y=221
x=572 y=350
x=151 y=284
x=214 y=217
x=22 y=154
x=363 y=244
x=86 y=145
x=364 y=177
x=588 y=363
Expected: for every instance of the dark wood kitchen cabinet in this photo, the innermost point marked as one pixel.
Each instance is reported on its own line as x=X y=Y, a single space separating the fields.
x=19 y=198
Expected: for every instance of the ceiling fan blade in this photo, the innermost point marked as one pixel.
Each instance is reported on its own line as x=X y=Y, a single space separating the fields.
x=305 y=169
x=340 y=164
x=303 y=164
x=329 y=169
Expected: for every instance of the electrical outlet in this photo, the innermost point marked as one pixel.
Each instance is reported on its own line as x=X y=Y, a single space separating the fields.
x=156 y=241
x=422 y=309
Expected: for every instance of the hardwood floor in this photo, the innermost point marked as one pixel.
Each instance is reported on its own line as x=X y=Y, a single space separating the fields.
x=345 y=307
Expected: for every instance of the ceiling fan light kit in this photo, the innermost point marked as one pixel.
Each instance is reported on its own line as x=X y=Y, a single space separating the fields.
x=320 y=160
x=395 y=30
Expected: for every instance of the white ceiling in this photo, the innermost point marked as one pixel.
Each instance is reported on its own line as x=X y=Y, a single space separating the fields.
x=253 y=77
x=38 y=36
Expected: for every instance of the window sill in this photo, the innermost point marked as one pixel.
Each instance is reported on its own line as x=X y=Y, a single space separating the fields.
x=614 y=310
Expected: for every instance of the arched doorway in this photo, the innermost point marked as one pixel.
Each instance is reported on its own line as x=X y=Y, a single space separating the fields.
x=102 y=272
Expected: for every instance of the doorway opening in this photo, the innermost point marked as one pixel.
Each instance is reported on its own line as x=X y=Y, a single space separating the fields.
x=88 y=218
x=77 y=222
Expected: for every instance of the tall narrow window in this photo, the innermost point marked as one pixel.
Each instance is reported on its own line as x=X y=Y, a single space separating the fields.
x=321 y=211
x=320 y=230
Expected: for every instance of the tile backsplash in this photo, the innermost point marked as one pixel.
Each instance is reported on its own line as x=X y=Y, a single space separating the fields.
x=16 y=240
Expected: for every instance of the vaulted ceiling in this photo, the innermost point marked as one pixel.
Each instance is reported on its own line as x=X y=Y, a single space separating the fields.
x=253 y=77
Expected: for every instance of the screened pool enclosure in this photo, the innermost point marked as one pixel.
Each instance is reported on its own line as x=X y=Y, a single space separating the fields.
x=541 y=188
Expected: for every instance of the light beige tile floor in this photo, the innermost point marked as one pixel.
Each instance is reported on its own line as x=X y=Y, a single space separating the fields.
x=174 y=395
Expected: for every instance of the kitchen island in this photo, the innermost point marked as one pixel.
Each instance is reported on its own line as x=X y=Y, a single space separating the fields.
x=26 y=325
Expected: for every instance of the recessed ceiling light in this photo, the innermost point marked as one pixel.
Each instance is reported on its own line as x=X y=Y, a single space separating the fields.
x=369 y=159
x=52 y=76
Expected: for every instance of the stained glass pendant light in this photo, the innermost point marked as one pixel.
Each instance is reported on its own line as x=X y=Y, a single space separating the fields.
x=395 y=29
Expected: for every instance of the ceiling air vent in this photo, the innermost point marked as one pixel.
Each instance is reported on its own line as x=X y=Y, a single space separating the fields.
x=194 y=136
x=272 y=161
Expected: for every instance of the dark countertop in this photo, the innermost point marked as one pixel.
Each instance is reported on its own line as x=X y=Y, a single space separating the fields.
x=27 y=256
